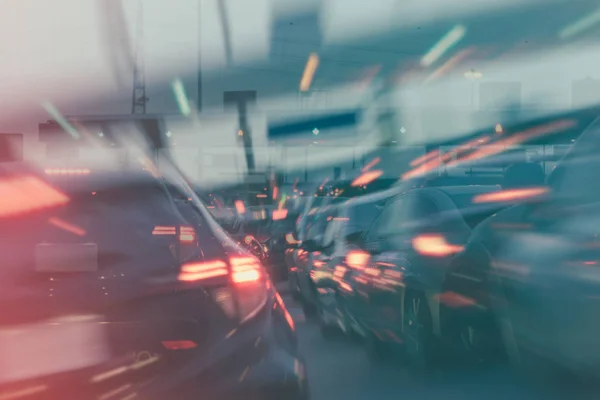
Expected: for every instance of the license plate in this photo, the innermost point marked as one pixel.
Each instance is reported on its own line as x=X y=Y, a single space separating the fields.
x=66 y=257
x=29 y=351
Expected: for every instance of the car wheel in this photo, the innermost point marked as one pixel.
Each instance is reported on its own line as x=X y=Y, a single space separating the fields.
x=472 y=335
x=418 y=333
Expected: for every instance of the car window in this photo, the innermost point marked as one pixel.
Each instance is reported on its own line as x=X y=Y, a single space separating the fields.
x=359 y=217
x=383 y=224
x=120 y=221
x=422 y=208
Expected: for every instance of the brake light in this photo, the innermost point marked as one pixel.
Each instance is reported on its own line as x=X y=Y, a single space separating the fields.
x=164 y=230
x=197 y=271
x=187 y=234
x=179 y=344
x=245 y=269
x=357 y=259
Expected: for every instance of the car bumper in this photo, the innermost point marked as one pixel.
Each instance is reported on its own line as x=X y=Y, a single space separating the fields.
x=258 y=361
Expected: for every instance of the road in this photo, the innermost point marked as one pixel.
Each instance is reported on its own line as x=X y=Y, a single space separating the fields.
x=341 y=369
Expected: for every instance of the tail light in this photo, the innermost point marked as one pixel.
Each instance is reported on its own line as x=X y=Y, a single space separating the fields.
x=357 y=259
x=164 y=230
x=245 y=269
x=179 y=344
x=187 y=234
x=197 y=271
x=238 y=286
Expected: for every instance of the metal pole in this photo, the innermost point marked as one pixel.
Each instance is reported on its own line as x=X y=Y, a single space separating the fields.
x=246 y=136
x=199 y=75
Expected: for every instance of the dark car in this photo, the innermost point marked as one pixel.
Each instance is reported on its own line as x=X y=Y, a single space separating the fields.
x=525 y=288
x=348 y=221
x=120 y=283
x=393 y=296
x=307 y=256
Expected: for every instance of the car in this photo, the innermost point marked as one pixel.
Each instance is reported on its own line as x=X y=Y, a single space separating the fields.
x=300 y=283
x=525 y=288
x=119 y=282
x=393 y=295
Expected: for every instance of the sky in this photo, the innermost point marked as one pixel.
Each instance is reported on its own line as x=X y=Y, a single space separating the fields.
x=58 y=51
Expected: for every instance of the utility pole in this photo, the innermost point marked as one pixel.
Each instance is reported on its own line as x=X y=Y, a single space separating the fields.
x=139 y=99
x=241 y=100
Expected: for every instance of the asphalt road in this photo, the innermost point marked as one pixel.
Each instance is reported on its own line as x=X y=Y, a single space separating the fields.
x=341 y=369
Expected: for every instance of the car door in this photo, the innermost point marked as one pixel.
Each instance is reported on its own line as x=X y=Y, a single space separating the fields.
x=383 y=278
x=361 y=305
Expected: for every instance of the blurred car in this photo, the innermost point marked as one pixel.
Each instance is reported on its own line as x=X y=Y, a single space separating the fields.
x=527 y=285
x=252 y=235
x=348 y=220
x=393 y=296
x=469 y=328
x=121 y=283
x=306 y=256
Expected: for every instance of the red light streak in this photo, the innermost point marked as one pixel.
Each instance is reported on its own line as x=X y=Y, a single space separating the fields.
x=517 y=138
x=26 y=194
x=64 y=225
x=425 y=157
x=371 y=164
x=434 y=245
x=367 y=177
x=510 y=195
x=357 y=259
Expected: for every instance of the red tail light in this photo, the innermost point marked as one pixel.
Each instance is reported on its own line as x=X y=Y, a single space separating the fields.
x=357 y=259
x=187 y=234
x=179 y=344
x=197 y=271
x=164 y=230
x=245 y=269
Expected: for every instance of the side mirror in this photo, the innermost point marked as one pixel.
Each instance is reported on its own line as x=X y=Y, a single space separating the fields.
x=310 y=245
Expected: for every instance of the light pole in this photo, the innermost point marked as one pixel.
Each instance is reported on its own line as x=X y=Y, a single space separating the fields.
x=473 y=75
